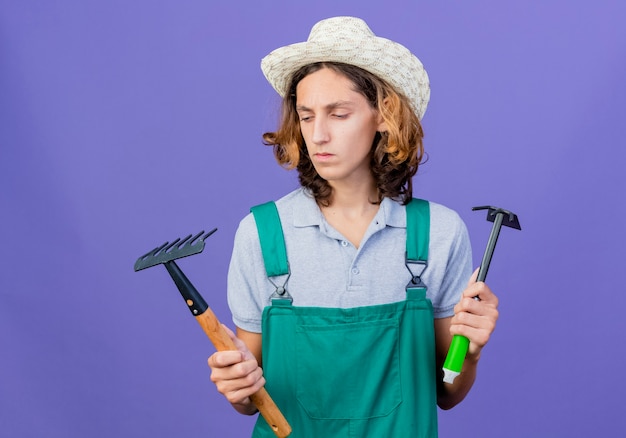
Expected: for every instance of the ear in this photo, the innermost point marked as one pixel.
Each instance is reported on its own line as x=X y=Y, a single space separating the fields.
x=382 y=125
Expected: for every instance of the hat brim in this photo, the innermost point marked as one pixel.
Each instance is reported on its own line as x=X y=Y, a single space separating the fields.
x=386 y=59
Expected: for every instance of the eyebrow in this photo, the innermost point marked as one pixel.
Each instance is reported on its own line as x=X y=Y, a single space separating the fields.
x=330 y=106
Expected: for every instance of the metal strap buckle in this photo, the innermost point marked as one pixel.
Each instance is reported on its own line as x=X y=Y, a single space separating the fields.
x=419 y=266
x=280 y=292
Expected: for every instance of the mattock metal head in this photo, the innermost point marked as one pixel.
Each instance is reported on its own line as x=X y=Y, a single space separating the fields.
x=509 y=219
x=499 y=217
x=179 y=248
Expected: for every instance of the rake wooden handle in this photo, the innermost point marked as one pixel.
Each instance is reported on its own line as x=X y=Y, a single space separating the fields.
x=261 y=399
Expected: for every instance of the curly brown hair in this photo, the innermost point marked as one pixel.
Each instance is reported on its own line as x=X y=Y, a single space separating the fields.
x=395 y=155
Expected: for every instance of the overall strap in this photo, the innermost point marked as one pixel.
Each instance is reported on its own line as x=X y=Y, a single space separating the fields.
x=273 y=246
x=271 y=237
x=417 y=239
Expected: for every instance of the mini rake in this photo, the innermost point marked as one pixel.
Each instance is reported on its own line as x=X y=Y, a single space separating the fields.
x=190 y=245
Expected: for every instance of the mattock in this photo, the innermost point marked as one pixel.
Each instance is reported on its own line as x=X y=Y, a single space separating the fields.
x=166 y=254
x=459 y=345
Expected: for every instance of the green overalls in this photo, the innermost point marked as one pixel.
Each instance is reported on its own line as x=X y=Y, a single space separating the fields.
x=357 y=372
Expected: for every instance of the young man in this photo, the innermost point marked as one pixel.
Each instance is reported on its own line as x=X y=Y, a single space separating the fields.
x=351 y=334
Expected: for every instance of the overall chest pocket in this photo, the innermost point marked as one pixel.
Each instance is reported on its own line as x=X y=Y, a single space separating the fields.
x=348 y=371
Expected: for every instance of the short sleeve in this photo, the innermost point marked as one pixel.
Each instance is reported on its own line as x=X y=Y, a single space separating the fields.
x=246 y=278
x=450 y=244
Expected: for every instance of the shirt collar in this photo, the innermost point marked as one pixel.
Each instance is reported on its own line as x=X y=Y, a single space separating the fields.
x=306 y=212
x=394 y=213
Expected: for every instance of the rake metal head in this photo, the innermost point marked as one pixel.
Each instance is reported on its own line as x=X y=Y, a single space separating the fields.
x=509 y=219
x=179 y=248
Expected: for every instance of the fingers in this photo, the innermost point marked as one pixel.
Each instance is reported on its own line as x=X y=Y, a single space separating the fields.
x=481 y=314
x=473 y=277
x=239 y=344
x=236 y=373
x=222 y=359
x=235 y=378
x=477 y=327
x=475 y=319
x=481 y=290
x=231 y=333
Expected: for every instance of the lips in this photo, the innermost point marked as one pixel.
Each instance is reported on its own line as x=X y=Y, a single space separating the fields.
x=323 y=156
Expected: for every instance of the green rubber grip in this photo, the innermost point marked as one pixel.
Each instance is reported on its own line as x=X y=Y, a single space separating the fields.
x=456 y=353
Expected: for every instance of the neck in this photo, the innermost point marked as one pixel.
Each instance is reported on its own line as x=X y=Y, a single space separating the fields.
x=363 y=191
x=356 y=199
x=351 y=211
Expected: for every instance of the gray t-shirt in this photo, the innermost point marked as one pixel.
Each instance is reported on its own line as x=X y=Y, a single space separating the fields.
x=328 y=271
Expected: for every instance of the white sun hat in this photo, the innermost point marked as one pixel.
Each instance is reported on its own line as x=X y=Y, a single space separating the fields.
x=350 y=41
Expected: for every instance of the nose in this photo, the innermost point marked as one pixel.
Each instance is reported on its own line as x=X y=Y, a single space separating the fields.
x=321 y=133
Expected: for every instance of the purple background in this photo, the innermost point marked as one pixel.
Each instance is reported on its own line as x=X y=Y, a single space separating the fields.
x=127 y=123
